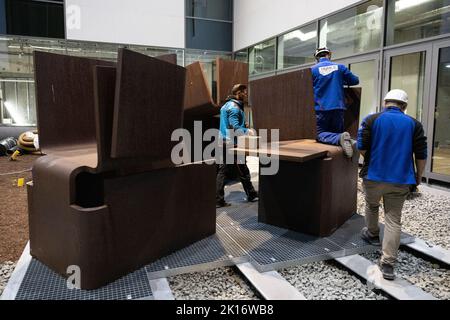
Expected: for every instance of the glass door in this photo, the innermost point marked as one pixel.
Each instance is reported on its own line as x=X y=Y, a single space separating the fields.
x=367 y=69
x=439 y=119
x=408 y=69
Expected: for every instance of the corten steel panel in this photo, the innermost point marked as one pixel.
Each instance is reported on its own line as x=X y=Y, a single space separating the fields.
x=197 y=97
x=353 y=103
x=170 y=58
x=323 y=199
x=65 y=100
x=148 y=106
x=133 y=221
x=285 y=102
x=229 y=73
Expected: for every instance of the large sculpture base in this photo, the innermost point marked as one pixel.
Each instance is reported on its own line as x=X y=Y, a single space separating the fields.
x=314 y=197
x=110 y=225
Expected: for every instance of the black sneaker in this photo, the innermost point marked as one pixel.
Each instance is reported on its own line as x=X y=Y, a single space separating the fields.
x=253 y=197
x=375 y=241
x=388 y=271
x=222 y=204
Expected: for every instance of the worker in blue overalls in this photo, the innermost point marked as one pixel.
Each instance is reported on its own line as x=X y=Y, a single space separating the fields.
x=328 y=81
x=390 y=142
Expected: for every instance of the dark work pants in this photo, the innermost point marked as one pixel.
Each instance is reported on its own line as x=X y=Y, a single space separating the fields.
x=330 y=125
x=243 y=173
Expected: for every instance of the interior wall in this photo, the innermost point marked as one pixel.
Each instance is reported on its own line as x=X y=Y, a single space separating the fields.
x=143 y=22
x=257 y=20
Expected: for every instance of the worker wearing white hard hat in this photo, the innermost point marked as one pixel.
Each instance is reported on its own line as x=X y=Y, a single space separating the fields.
x=389 y=141
x=329 y=79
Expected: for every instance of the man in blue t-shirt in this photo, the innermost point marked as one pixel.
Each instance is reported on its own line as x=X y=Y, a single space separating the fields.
x=328 y=81
x=390 y=141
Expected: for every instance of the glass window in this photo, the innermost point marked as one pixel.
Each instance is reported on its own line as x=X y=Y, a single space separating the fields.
x=409 y=20
x=441 y=138
x=209 y=35
x=261 y=57
x=211 y=9
x=407 y=73
x=297 y=47
x=355 y=30
x=368 y=80
x=241 y=56
x=35 y=18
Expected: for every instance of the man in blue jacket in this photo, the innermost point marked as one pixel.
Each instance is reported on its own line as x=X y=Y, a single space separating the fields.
x=388 y=141
x=232 y=123
x=328 y=81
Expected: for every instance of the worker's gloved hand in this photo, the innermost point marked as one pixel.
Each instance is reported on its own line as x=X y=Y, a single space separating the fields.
x=252 y=132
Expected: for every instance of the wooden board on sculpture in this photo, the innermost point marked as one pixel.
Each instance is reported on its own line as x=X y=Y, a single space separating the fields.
x=285 y=102
x=197 y=97
x=65 y=100
x=229 y=73
x=148 y=106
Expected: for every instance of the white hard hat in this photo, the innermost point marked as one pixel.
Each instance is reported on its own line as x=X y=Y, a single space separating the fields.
x=397 y=95
x=322 y=50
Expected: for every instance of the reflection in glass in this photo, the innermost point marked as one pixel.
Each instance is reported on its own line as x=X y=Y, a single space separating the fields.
x=209 y=35
x=409 y=20
x=241 y=56
x=407 y=73
x=297 y=47
x=211 y=9
x=366 y=71
x=17 y=102
x=355 y=30
x=441 y=139
x=262 y=57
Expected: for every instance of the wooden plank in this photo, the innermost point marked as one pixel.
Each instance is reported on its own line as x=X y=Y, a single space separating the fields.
x=148 y=106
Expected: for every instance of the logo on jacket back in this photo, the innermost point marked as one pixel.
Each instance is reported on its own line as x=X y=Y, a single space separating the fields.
x=328 y=69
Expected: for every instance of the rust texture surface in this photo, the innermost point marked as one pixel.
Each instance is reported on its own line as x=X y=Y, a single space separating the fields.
x=285 y=102
x=229 y=73
x=197 y=97
x=65 y=99
x=148 y=106
x=110 y=216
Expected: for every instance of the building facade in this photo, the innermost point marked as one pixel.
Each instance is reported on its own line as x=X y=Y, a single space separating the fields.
x=388 y=43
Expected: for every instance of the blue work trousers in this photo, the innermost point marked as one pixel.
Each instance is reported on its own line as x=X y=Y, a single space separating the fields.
x=330 y=125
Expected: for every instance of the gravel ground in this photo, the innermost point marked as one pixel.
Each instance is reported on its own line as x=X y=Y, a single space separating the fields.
x=328 y=281
x=426 y=275
x=426 y=216
x=218 y=284
x=6 y=269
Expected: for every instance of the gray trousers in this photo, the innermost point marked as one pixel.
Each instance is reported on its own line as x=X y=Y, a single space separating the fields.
x=394 y=196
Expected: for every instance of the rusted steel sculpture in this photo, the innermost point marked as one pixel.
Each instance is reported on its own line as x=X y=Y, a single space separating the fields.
x=229 y=73
x=315 y=189
x=99 y=200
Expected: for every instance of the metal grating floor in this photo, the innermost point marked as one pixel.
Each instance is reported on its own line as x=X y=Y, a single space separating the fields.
x=239 y=238
x=41 y=283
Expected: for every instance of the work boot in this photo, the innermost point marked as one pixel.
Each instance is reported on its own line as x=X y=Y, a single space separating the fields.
x=222 y=204
x=388 y=271
x=373 y=240
x=356 y=154
x=253 y=197
x=346 y=143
